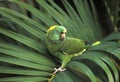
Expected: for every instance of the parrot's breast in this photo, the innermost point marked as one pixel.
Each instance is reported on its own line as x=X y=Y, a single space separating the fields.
x=53 y=46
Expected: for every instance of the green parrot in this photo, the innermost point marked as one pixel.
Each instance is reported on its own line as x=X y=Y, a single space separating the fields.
x=63 y=47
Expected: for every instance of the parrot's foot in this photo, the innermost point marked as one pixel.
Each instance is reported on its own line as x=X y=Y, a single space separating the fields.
x=59 y=69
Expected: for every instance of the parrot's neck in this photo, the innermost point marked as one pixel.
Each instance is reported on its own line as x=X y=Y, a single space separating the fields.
x=55 y=41
x=53 y=45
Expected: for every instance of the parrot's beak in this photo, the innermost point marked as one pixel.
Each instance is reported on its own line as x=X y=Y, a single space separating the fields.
x=62 y=36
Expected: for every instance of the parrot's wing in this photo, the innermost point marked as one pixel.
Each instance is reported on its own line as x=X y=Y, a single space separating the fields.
x=72 y=45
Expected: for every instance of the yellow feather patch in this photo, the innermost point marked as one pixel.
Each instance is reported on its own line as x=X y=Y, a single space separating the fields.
x=51 y=28
x=65 y=31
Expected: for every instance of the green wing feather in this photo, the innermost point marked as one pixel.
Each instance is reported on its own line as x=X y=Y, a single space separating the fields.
x=72 y=45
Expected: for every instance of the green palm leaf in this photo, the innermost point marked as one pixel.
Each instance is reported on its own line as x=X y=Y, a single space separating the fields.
x=25 y=54
x=12 y=70
x=23 y=39
x=24 y=57
x=112 y=36
x=63 y=77
x=92 y=55
x=63 y=20
x=80 y=67
x=24 y=79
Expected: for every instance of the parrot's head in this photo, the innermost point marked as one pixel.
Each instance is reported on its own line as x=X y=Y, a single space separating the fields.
x=56 y=33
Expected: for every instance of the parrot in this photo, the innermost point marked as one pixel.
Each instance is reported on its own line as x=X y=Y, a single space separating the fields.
x=62 y=46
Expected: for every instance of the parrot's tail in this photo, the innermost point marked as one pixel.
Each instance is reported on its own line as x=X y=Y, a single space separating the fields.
x=93 y=44
x=96 y=43
x=87 y=46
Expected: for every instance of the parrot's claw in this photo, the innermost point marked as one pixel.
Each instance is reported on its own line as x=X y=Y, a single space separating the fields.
x=59 y=69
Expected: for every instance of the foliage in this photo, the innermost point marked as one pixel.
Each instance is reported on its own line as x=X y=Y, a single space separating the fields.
x=24 y=57
x=113 y=11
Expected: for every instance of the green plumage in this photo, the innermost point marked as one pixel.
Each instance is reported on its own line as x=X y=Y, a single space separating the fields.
x=62 y=47
x=72 y=45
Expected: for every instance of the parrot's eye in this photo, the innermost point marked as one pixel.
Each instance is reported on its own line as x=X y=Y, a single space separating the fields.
x=57 y=31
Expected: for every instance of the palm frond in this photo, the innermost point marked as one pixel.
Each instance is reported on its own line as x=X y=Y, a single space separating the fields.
x=24 y=79
x=113 y=12
x=71 y=24
x=65 y=77
x=112 y=36
x=95 y=55
x=24 y=57
x=23 y=39
x=110 y=47
x=43 y=17
x=23 y=24
x=78 y=67
x=19 y=71
x=25 y=54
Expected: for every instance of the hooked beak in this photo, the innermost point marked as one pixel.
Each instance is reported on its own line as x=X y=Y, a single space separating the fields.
x=62 y=36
